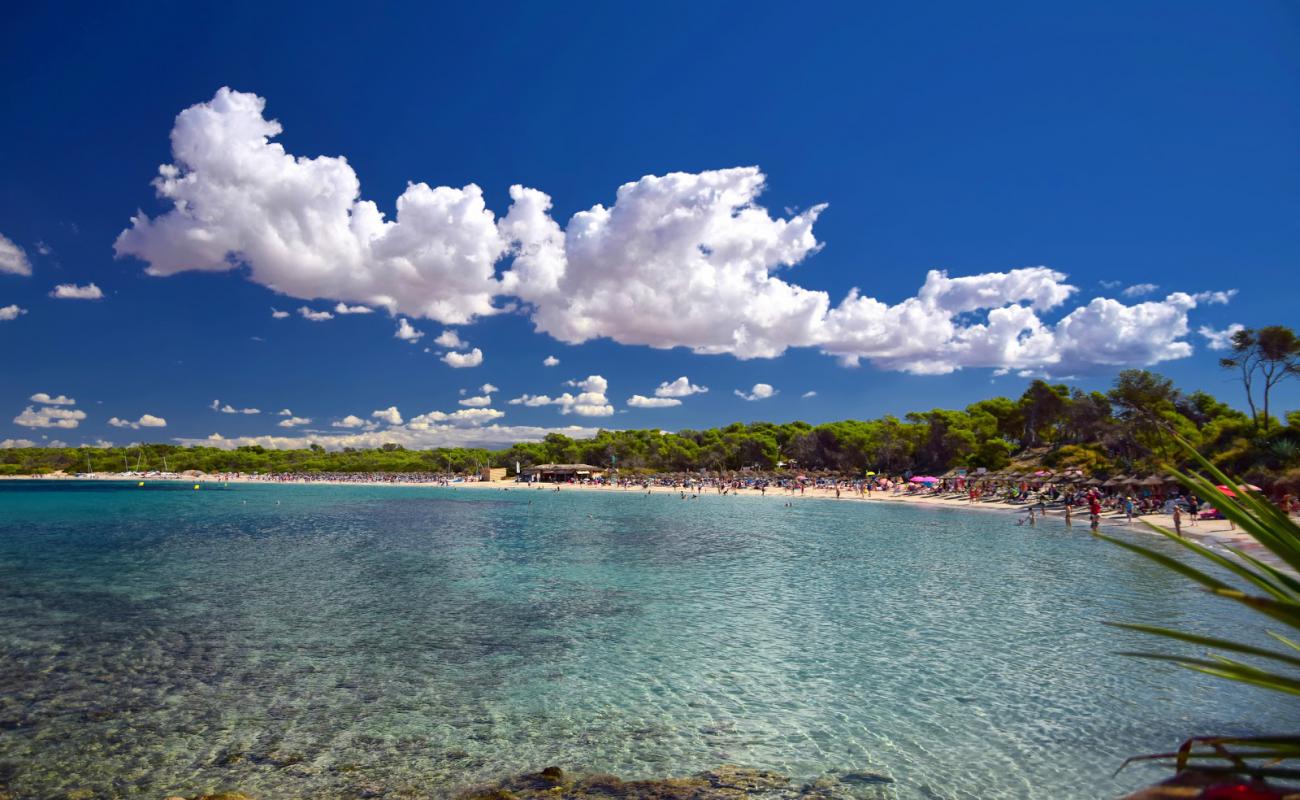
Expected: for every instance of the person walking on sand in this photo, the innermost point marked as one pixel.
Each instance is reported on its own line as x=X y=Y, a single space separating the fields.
x=1193 y=509
x=1128 y=508
x=1178 y=520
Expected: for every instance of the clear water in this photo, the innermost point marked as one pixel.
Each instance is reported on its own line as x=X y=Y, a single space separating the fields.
x=296 y=642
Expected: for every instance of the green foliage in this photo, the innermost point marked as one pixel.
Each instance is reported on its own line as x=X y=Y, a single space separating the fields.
x=1269 y=592
x=1126 y=429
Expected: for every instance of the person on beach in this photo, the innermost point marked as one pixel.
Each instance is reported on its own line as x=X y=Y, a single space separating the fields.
x=1178 y=520
x=1069 y=516
x=1094 y=511
x=1193 y=508
x=1128 y=509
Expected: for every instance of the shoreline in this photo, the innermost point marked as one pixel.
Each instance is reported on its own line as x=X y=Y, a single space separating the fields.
x=1213 y=533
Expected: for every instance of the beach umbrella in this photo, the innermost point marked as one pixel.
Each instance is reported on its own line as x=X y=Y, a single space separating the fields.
x=1115 y=481
x=1250 y=487
x=1226 y=491
x=1154 y=480
x=870 y=474
x=925 y=479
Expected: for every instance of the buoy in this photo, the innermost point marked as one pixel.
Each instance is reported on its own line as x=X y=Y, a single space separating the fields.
x=142 y=483
x=196 y=487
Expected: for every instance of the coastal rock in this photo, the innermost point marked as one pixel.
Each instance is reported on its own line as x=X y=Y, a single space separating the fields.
x=724 y=783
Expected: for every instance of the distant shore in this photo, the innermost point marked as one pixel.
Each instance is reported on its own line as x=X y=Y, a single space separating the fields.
x=1211 y=532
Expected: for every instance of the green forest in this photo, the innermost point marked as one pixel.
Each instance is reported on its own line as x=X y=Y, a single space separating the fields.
x=1129 y=428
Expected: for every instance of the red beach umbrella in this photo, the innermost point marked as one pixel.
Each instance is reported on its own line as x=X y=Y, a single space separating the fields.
x=1226 y=491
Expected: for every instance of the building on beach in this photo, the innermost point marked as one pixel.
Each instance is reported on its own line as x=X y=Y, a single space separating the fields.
x=560 y=473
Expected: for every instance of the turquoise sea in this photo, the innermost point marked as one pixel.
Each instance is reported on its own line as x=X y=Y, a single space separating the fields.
x=325 y=641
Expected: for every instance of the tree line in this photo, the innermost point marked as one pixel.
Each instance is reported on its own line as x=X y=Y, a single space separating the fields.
x=1129 y=429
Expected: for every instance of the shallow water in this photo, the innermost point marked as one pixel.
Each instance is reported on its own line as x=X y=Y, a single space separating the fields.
x=324 y=641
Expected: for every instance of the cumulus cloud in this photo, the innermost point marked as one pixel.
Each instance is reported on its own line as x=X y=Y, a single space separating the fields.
x=50 y=417
x=1215 y=298
x=430 y=434
x=301 y=227
x=450 y=340
x=278 y=314
x=589 y=402
x=677 y=260
x=460 y=360
x=475 y=401
x=284 y=412
x=313 y=315
x=550 y=361
x=344 y=308
x=389 y=415
x=1140 y=290
x=487 y=388
x=350 y=421
x=1220 y=340
x=761 y=391
x=145 y=421
x=641 y=401
x=682 y=387
x=464 y=416
x=808 y=394
x=11 y=312
x=13 y=259
x=406 y=332
x=60 y=400
x=294 y=422
x=71 y=291
x=12 y=444
x=216 y=405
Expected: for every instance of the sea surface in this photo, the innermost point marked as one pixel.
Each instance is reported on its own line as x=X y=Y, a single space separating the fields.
x=326 y=641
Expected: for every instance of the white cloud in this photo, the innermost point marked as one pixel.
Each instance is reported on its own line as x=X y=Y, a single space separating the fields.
x=1139 y=290
x=1110 y=284
x=11 y=312
x=1220 y=340
x=460 y=360
x=301 y=227
x=464 y=416
x=429 y=434
x=294 y=422
x=12 y=258
x=761 y=391
x=71 y=291
x=350 y=421
x=550 y=361
x=11 y=444
x=682 y=387
x=344 y=308
x=589 y=402
x=407 y=333
x=284 y=412
x=477 y=401
x=278 y=314
x=808 y=394
x=229 y=409
x=678 y=260
x=641 y=401
x=313 y=315
x=43 y=248
x=145 y=421
x=450 y=340
x=61 y=400
x=50 y=417
x=1215 y=298
x=389 y=415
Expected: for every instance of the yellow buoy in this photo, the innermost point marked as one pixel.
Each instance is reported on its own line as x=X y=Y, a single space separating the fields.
x=142 y=483
x=196 y=487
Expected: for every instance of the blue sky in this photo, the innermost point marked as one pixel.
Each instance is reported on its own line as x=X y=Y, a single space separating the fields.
x=1111 y=145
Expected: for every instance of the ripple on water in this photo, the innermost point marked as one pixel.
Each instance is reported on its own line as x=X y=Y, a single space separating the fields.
x=333 y=641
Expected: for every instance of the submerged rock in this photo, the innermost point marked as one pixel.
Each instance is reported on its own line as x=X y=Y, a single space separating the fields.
x=723 y=783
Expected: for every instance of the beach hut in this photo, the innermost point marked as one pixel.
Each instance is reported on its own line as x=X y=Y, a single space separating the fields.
x=558 y=473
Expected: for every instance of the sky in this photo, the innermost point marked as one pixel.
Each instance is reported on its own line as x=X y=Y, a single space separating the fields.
x=236 y=224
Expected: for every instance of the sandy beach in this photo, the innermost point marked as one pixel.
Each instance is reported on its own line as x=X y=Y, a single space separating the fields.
x=1215 y=533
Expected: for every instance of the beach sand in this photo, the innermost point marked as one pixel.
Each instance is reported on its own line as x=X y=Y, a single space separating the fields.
x=1214 y=533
